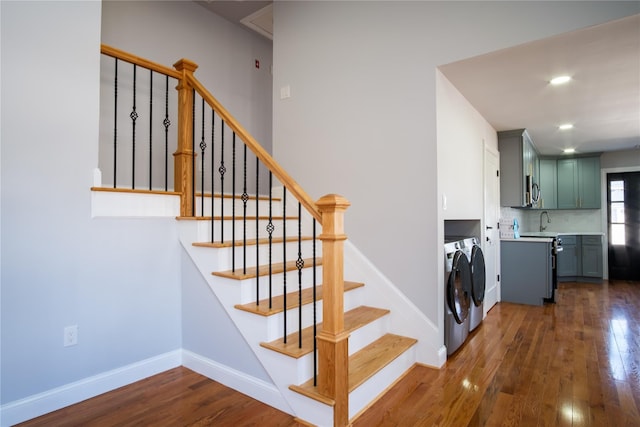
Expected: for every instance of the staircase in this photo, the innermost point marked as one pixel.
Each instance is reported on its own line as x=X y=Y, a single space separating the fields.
x=377 y=356
x=257 y=271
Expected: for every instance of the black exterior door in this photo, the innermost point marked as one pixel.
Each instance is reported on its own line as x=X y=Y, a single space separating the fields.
x=623 y=205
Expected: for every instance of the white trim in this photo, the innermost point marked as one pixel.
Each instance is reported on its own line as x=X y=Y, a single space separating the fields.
x=42 y=403
x=251 y=386
x=134 y=205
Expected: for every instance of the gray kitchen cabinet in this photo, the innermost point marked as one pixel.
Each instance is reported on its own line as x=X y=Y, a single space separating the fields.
x=589 y=182
x=581 y=258
x=578 y=183
x=526 y=271
x=548 y=184
x=518 y=159
x=591 y=256
x=568 y=265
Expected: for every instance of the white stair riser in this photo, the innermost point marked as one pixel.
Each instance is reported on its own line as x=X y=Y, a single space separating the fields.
x=238 y=204
x=246 y=256
x=248 y=286
x=358 y=339
x=361 y=397
x=247 y=228
x=274 y=324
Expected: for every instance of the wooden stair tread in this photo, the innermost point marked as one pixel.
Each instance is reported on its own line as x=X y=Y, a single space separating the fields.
x=263 y=270
x=353 y=319
x=237 y=218
x=277 y=302
x=249 y=242
x=363 y=364
x=236 y=197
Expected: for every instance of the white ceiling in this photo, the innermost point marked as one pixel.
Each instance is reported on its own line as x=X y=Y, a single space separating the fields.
x=510 y=87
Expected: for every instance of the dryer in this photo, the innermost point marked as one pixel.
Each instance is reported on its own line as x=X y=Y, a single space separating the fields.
x=478 y=282
x=457 y=302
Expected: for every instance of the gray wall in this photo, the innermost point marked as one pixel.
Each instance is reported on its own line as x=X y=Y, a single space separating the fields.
x=362 y=111
x=118 y=279
x=620 y=159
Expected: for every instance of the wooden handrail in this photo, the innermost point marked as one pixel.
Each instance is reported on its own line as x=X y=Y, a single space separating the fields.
x=332 y=340
x=257 y=149
x=128 y=57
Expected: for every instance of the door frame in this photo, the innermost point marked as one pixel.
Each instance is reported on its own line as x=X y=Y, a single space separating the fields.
x=488 y=304
x=604 y=212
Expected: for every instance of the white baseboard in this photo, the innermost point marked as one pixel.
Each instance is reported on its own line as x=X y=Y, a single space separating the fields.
x=257 y=389
x=42 y=403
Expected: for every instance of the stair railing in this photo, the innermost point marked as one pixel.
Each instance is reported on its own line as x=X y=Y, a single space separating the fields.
x=332 y=340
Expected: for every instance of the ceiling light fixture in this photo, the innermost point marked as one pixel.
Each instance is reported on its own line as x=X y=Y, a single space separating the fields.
x=565 y=126
x=560 y=80
x=569 y=150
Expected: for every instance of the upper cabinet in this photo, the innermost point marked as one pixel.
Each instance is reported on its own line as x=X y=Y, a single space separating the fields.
x=519 y=169
x=578 y=183
x=548 y=184
x=528 y=181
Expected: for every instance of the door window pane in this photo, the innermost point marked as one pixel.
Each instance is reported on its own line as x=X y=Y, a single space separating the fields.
x=617 y=213
x=617 y=191
x=617 y=234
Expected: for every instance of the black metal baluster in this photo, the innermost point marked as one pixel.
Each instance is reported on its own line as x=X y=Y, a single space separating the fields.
x=150 y=128
x=233 y=203
x=257 y=232
x=270 y=229
x=315 y=322
x=193 y=153
x=166 y=122
x=299 y=266
x=115 y=123
x=203 y=146
x=284 y=258
x=245 y=198
x=213 y=146
x=134 y=116
x=222 y=171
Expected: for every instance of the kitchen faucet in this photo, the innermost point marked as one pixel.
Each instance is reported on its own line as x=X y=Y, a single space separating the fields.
x=548 y=220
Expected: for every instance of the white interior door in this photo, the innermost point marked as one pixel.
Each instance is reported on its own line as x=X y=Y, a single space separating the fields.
x=491 y=239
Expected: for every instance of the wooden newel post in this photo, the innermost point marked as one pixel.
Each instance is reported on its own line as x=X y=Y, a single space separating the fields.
x=184 y=155
x=333 y=341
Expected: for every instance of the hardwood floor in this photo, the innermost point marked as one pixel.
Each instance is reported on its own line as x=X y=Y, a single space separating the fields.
x=573 y=363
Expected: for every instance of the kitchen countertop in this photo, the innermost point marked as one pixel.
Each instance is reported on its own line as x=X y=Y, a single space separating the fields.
x=536 y=234
x=540 y=239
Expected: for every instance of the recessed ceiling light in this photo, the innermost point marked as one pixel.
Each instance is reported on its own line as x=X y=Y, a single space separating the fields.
x=565 y=126
x=560 y=80
x=569 y=150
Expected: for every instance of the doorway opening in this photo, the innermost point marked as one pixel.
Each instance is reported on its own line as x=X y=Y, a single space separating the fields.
x=623 y=222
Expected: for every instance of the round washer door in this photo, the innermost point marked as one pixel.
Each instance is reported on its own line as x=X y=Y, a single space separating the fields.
x=478 y=275
x=459 y=287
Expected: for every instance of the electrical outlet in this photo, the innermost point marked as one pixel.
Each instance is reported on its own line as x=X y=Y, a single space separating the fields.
x=70 y=335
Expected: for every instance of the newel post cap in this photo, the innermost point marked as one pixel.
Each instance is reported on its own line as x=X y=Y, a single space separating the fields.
x=185 y=65
x=332 y=201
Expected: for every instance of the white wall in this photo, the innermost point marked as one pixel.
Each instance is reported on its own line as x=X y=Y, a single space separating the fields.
x=118 y=279
x=461 y=134
x=361 y=119
x=620 y=159
x=205 y=325
x=166 y=31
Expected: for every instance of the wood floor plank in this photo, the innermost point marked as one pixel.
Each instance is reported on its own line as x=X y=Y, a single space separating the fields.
x=574 y=363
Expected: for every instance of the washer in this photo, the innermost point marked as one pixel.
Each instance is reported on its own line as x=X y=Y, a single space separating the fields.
x=457 y=295
x=478 y=282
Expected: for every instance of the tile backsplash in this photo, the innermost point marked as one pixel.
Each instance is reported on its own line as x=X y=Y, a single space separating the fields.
x=562 y=221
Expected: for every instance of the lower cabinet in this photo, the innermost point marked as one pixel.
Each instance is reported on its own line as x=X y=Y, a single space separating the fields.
x=526 y=271
x=591 y=256
x=581 y=258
